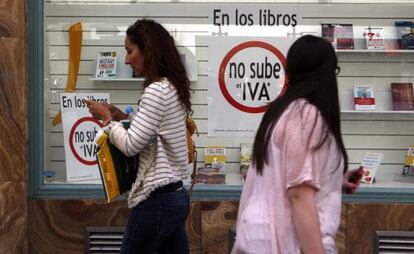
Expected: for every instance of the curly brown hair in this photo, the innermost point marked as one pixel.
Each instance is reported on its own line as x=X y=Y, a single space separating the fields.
x=161 y=57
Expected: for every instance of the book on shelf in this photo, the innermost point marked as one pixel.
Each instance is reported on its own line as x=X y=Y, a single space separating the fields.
x=245 y=158
x=215 y=157
x=106 y=64
x=209 y=175
x=402 y=96
x=118 y=171
x=371 y=163
x=408 y=168
x=364 y=98
x=405 y=34
x=340 y=35
x=374 y=38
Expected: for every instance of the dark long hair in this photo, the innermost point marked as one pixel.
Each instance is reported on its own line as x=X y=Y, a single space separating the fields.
x=311 y=72
x=161 y=57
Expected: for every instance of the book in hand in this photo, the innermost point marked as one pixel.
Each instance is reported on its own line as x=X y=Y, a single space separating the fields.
x=340 y=35
x=402 y=96
x=408 y=169
x=245 y=158
x=106 y=64
x=371 y=163
x=215 y=157
x=364 y=98
x=374 y=38
x=118 y=171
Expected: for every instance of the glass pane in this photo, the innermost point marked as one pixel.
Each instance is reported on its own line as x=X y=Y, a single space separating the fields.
x=228 y=105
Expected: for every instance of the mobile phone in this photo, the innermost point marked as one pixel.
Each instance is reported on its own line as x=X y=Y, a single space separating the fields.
x=357 y=176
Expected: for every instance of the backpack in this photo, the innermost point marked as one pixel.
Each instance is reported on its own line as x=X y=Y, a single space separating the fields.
x=192 y=152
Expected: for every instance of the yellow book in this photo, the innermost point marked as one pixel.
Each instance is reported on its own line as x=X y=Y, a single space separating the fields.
x=215 y=157
x=118 y=171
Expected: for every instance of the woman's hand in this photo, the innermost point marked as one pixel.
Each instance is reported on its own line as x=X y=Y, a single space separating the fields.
x=352 y=179
x=100 y=111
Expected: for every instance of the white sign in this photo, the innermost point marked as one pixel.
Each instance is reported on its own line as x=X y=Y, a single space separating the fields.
x=262 y=19
x=245 y=74
x=79 y=131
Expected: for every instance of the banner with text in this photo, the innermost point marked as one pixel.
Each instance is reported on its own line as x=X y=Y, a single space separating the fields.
x=245 y=74
x=276 y=20
x=79 y=132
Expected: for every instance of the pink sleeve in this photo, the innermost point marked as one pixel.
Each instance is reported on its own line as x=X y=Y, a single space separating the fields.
x=300 y=129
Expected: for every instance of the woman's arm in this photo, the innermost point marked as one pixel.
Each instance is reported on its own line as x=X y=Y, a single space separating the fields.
x=116 y=113
x=105 y=112
x=305 y=218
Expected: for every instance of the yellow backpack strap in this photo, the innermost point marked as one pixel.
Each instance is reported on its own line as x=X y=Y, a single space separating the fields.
x=191 y=129
x=193 y=174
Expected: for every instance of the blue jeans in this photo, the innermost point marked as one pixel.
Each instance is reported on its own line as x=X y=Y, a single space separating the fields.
x=157 y=225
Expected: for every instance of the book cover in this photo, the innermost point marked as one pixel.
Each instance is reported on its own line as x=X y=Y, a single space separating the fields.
x=374 y=37
x=118 y=172
x=106 y=64
x=405 y=34
x=371 y=163
x=245 y=158
x=215 y=157
x=340 y=35
x=364 y=98
x=408 y=169
x=402 y=96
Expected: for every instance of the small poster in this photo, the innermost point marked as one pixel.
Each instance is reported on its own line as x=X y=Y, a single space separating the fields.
x=341 y=36
x=245 y=75
x=371 y=163
x=374 y=37
x=106 y=64
x=364 y=98
x=79 y=132
x=215 y=157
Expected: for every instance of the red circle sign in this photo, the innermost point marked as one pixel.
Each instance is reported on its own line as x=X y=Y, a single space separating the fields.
x=72 y=133
x=227 y=58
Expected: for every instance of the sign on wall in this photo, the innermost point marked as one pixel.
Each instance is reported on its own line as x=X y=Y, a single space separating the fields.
x=256 y=20
x=245 y=74
x=79 y=132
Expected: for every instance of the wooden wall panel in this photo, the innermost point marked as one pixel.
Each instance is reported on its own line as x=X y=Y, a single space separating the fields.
x=364 y=219
x=13 y=217
x=60 y=225
x=216 y=220
x=13 y=113
x=13 y=128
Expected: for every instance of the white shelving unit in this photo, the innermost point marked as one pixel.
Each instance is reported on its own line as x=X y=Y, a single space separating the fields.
x=379 y=111
x=123 y=79
x=116 y=79
x=374 y=51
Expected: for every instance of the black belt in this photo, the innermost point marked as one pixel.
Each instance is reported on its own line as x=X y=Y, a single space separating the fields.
x=172 y=187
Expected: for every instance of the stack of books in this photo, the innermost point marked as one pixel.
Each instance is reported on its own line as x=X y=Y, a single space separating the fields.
x=214 y=168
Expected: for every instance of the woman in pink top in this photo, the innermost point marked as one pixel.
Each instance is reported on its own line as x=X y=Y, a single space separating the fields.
x=291 y=200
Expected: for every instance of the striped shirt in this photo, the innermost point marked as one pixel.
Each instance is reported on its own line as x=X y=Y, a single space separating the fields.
x=158 y=133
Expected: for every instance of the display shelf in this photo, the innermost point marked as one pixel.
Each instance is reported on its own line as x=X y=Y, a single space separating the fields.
x=374 y=51
x=378 y=111
x=116 y=79
x=122 y=79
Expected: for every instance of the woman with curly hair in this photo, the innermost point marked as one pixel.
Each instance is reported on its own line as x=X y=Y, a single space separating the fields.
x=157 y=132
